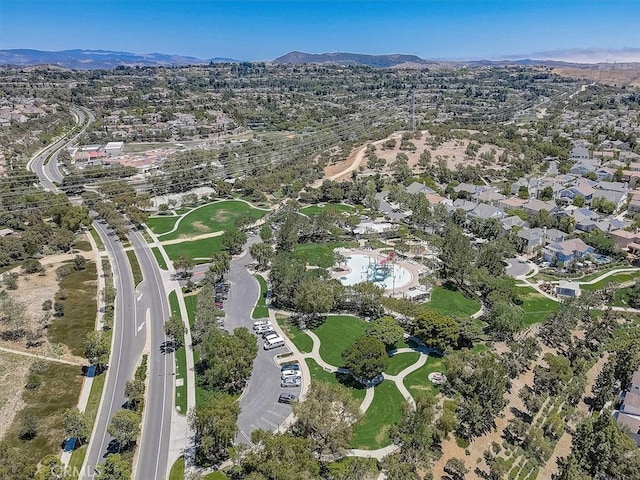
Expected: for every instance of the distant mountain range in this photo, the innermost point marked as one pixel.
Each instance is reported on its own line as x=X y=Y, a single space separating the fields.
x=339 y=58
x=97 y=59
x=105 y=59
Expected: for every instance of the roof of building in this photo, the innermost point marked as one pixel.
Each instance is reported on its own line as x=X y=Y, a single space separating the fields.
x=568 y=246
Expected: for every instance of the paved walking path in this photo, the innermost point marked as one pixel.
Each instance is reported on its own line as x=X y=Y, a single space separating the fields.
x=370 y=391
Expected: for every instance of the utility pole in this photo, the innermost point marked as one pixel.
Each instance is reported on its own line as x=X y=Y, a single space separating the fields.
x=412 y=111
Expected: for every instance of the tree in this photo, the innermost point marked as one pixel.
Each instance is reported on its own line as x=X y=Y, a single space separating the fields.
x=214 y=423
x=79 y=262
x=134 y=391
x=553 y=378
x=31 y=265
x=366 y=358
x=96 y=349
x=174 y=329
x=233 y=239
x=313 y=297
x=523 y=192
x=604 y=388
x=115 y=468
x=455 y=468
x=13 y=316
x=286 y=275
x=75 y=424
x=124 y=427
x=546 y=194
x=58 y=308
x=578 y=201
x=436 y=330
x=505 y=320
x=266 y=234
x=219 y=264
x=457 y=256
x=326 y=416
x=387 y=330
x=262 y=253
x=183 y=263
x=51 y=468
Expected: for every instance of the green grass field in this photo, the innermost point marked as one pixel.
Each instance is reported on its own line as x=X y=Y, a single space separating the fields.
x=261 y=310
x=213 y=217
x=400 y=361
x=135 y=267
x=181 y=361
x=301 y=340
x=320 y=254
x=159 y=258
x=313 y=210
x=373 y=430
x=203 y=248
x=177 y=470
x=618 y=278
x=82 y=245
x=418 y=382
x=44 y=406
x=448 y=301
x=536 y=307
x=77 y=292
x=96 y=238
x=162 y=224
x=321 y=375
x=336 y=334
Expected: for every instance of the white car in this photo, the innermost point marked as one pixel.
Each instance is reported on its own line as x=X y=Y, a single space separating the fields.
x=271 y=336
x=261 y=325
x=290 y=374
x=291 y=382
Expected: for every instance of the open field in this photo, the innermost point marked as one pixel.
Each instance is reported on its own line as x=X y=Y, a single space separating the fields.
x=618 y=278
x=337 y=333
x=203 y=248
x=313 y=210
x=44 y=405
x=162 y=223
x=77 y=294
x=319 y=374
x=400 y=361
x=373 y=430
x=13 y=372
x=536 y=307
x=449 y=301
x=418 y=382
x=214 y=217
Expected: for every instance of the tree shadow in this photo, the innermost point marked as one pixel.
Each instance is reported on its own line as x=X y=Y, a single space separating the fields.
x=167 y=347
x=347 y=380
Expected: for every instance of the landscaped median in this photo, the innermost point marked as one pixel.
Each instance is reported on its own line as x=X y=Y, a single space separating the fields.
x=181 y=361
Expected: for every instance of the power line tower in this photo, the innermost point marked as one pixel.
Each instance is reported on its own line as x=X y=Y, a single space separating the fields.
x=412 y=111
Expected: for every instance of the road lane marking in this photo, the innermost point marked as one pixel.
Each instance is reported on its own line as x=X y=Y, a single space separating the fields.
x=140 y=296
x=140 y=326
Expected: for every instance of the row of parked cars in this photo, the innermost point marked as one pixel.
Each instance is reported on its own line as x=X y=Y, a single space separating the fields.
x=290 y=376
x=271 y=338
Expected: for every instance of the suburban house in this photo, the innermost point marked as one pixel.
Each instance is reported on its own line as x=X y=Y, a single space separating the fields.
x=581 y=189
x=579 y=153
x=623 y=238
x=514 y=221
x=629 y=413
x=417 y=187
x=583 y=167
x=513 y=203
x=533 y=237
x=534 y=206
x=488 y=196
x=566 y=251
x=619 y=198
x=485 y=212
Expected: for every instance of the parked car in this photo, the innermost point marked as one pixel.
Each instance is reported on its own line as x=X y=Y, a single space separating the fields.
x=291 y=382
x=269 y=334
x=289 y=366
x=261 y=323
x=287 y=398
x=262 y=328
x=290 y=374
x=219 y=304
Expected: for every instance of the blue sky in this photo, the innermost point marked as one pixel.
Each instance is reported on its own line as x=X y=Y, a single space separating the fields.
x=263 y=30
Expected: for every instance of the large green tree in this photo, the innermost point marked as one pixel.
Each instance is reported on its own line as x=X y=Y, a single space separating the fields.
x=214 y=423
x=387 y=330
x=366 y=357
x=436 y=330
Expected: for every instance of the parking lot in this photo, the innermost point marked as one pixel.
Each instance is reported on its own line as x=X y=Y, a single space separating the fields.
x=259 y=402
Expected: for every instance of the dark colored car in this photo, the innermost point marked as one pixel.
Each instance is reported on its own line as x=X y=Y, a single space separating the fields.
x=287 y=398
x=290 y=366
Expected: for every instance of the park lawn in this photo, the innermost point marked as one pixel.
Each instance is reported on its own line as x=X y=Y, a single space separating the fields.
x=90 y=412
x=619 y=278
x=372 y=431
x=177 y=470
x=135 y=267
x=319 y=374
x=261 y=310
x=537 y=307
x=96 y=238
x=301 y=340
x=320 y=254
x=181 y=361
x=77 y=293
x=213 y=217
x=197 y=249
x=215 y=476
x=449 y=301
x=45 y=405
x=313 y=210
x=162 y=224
x=159 y=258
x=398 y=362
x=337 y=333
x=82 y=245
x=418 y=382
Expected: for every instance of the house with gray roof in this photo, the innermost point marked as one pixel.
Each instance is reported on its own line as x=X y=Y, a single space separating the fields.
x=534 y=206
x=486 y=212
x=513 y=221
x=417 y=187
x=533 y=237
x=488 y=196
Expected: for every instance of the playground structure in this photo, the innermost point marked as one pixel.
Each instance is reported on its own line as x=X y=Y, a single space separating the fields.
x=382 y=268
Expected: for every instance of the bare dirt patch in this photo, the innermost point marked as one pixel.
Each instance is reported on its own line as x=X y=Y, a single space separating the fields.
x=13 y=372
x=201 y=227
x=622 y=75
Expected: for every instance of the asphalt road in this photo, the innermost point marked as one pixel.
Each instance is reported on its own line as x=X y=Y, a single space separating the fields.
x=259 y=402
x=386 y=209
x=516 y=268
x=154 y=446
x=129 y=336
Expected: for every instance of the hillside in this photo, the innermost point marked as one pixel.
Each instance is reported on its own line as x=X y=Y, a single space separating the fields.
x=340 y=58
